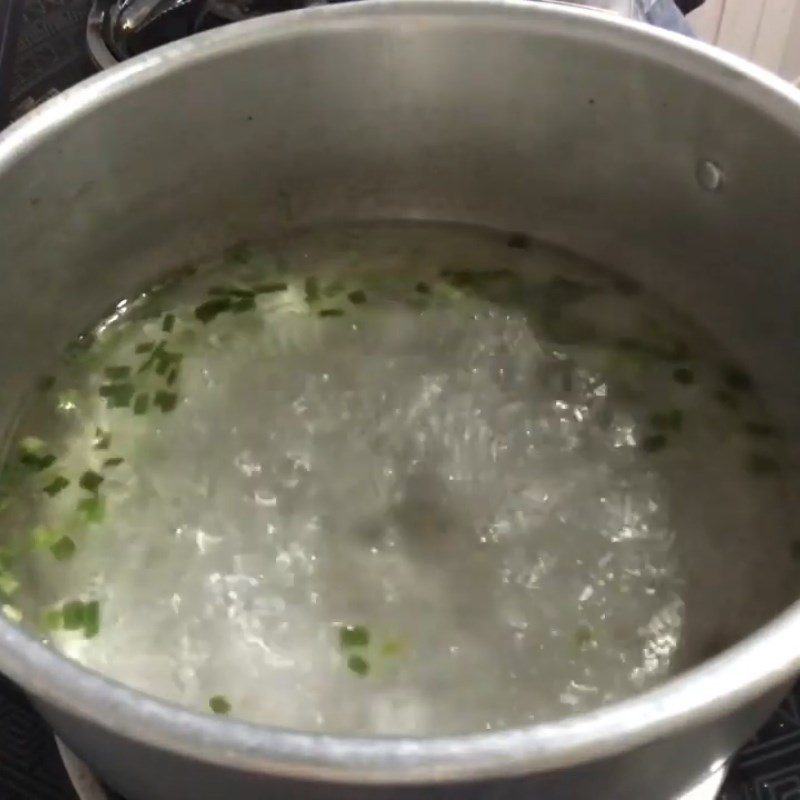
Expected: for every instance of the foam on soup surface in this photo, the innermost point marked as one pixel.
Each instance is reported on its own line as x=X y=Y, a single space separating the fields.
x=392 y=479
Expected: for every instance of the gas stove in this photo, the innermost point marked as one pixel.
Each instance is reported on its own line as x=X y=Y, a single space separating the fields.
x=48 y=45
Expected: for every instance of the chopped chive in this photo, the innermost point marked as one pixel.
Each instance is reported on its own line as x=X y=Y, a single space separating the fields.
x=113 y=462
x=92 y=508
x=36 y=462
x=172 y=377
x=117 y=373
x=166 y=401
x=653 y=443
x=90 y=480
x=353 y=636
x=63 y=549
x=358 y=665
x=168 y=323
x=244 y=303
x=760 y=464
x=518 y=241
x=91 y=619
x=683 y=375
x=56 y=485
x=117 y=395
x=331 y=312
x=219 y=704
x=270 y=288
x=357 y=297
x=422 y=288
x=141 y=404
x=737 y=380
x=239 y=253
x=43 y=538
x=311 y=286
x=209 y=310
x=235 y=291
x=72 y=615
x=144 y=347
x=102 y=439
x=763 y=429
x=45 y=383
x=53 y=619
x=8 y=584
x=12 y=613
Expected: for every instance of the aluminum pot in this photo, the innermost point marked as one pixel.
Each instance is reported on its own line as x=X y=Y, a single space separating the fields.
x=664 y=157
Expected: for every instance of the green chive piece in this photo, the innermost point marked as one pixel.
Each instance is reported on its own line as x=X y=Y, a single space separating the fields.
x=43 y=538
x=141 y=404
x=211 y=309
x=56 y=485
x=358 y=665
x=90 y=480
x=39 y=463
x=33 y=454
x=117 y=373
x=353 y=636
x=145 y=347
x=422 y=288
x=331 y=312
x=683 y=375
x=168 y=323
x=760 y=464
x=102 y=439
x=93 y=509
x=53 y=619
x=8 y=584
x=72 y=615
x=245 y=303
x=239 y=253
x=584 y=636
x=117 y=395
x=63 y=549
x=761 y=429
x=91 y=619
x=653 y=443
x=357 y=297
x=219 y=704
x=235 y=291
x=113 y=462
x=166 y=401
x=312 y=289
x=737 y=380
x=270 y=288
x=172 y=377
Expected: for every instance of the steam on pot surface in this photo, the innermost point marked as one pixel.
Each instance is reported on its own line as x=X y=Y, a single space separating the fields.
x=386 y=479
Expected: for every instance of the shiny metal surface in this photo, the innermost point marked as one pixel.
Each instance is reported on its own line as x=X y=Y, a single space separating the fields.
x=566 y=124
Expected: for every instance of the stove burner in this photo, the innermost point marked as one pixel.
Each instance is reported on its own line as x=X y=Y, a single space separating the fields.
x=119 y=29
x=87 y=787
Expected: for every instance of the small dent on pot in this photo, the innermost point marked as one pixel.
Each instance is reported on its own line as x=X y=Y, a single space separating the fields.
x=710 y=175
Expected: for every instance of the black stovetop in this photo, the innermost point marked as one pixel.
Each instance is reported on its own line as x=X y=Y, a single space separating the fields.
x=42 y=51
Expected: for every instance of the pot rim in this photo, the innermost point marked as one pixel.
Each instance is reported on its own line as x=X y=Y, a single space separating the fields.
x=760 y=663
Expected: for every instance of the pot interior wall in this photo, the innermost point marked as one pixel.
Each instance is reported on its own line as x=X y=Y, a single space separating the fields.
x=568 y=130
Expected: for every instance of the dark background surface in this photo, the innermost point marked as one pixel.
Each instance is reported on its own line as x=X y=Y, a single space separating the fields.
x=42 y=51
